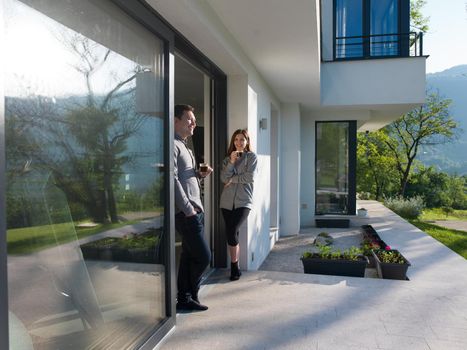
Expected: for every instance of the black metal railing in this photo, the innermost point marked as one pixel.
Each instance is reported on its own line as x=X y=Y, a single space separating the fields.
x=378 y=46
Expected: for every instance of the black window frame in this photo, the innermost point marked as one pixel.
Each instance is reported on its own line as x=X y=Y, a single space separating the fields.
x=352 y=180
x=403 y=32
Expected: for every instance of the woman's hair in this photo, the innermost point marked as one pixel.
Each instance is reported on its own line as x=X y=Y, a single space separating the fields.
x=232 y=147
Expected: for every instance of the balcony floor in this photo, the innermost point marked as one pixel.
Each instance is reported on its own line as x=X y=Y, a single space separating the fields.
x=292 y=310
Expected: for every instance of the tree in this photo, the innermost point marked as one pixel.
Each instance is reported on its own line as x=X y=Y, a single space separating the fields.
x=417 y=20
x=81 y=140
x=375 y=165
x=430 y=124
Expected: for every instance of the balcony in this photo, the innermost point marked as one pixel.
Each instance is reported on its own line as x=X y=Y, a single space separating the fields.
x=382 y=74
x=378 y=46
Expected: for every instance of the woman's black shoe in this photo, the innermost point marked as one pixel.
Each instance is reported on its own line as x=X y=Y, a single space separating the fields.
x=235 y=272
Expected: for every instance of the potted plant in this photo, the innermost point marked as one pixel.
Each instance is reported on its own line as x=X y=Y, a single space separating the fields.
x=391 y=264
x=367 y=246
x=349 y=262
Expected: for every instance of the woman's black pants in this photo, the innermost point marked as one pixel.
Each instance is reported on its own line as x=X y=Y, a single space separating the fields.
x=233 y=220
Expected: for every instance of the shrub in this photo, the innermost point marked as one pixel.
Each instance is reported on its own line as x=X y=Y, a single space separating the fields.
x=410 y=208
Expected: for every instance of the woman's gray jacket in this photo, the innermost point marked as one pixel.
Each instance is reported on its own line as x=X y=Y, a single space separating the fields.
x=239 y=193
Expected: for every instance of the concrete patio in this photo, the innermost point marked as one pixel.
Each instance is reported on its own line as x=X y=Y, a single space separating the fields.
x=292 y=310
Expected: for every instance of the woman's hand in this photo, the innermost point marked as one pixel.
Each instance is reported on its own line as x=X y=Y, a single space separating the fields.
x=228 y=183
x=233 y=157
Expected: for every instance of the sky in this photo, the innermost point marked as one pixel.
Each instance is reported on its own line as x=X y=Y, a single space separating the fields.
x=446 y=40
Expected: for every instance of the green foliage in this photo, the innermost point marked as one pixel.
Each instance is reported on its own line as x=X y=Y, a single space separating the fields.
x=438 y=214
x=352 y=253
x=31 y=239
x=438 y=189
x=430 y=124
x=376 y=167
x=326 y=252
x=368 y=245
x=130 y=241
x=447 y=210
x=410 y=208
x=454 y=239
x=386 y=158
x=417 y=20
x=390 y=257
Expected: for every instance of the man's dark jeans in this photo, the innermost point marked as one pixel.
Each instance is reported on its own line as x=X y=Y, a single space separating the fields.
x=195 y=255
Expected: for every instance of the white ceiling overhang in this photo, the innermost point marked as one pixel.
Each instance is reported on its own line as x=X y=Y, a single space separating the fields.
x=280 y=39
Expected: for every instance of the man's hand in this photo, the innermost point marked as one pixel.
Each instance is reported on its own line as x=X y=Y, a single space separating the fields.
x=206 y=173
x=194 y=212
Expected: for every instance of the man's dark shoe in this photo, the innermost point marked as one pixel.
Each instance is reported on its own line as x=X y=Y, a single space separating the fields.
x=190 y=305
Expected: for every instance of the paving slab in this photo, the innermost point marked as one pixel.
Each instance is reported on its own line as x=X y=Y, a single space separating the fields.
x=290 y=310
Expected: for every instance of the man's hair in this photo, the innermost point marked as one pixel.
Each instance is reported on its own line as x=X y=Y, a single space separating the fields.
x=180 y=109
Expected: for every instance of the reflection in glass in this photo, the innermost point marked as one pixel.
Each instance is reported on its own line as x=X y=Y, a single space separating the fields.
x=84 y=146
x=349 y=27
x=332 y=167
x=384 y=21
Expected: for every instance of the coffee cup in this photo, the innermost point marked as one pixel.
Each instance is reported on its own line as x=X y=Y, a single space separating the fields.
x=239 y=154
x=203 y=167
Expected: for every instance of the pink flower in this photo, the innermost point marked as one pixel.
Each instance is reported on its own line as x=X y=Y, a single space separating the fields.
x=388 y=247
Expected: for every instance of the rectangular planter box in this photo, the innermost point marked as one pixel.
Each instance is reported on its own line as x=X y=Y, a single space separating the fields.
x=138 y=255
x=390 y=270
x=338 y=267
x=336 y=223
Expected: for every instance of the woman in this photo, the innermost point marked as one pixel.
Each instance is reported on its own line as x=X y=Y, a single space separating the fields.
x=237 y=174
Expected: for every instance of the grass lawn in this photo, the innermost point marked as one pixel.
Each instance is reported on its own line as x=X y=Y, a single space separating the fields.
x=438 y=214
x=454 y=239
x=31 y=239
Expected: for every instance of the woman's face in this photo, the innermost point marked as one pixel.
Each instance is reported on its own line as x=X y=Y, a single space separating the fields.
x=240 y=142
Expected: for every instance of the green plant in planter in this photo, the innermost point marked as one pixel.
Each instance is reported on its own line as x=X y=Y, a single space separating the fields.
x=352 y=253
x=391 y=257
x=326 y=252
x=367 y=246
x=326 y=261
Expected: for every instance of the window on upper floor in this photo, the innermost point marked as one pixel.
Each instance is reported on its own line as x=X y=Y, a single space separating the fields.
x=371 y=28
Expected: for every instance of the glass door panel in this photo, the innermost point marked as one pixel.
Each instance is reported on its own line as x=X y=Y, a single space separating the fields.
x=349 y=28
x=383 y=21
x=85 y=151
x=193 y=87
x=332 y=168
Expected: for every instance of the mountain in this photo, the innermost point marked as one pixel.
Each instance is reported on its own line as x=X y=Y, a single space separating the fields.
x=450 y=83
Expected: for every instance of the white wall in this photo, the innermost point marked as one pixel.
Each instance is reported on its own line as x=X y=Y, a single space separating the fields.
x=373 y=82
x=307 y=171
x=290 y=170
x=327 y=29
x=249 y=100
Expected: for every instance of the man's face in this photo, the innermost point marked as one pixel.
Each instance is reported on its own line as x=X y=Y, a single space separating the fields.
x=185 y=126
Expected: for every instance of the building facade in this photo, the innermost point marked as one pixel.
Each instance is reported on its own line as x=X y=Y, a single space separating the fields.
x=88 y=249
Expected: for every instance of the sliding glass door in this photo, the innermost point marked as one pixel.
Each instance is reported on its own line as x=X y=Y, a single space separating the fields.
x=85 y=128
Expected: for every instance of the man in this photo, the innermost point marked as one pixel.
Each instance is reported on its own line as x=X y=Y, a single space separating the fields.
x=189 y=215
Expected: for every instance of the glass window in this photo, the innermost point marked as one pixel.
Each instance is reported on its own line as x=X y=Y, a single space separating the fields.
x=84 y=148
x=332 y=168
x=366 y=27
x=349 y=28
x=384 y=21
